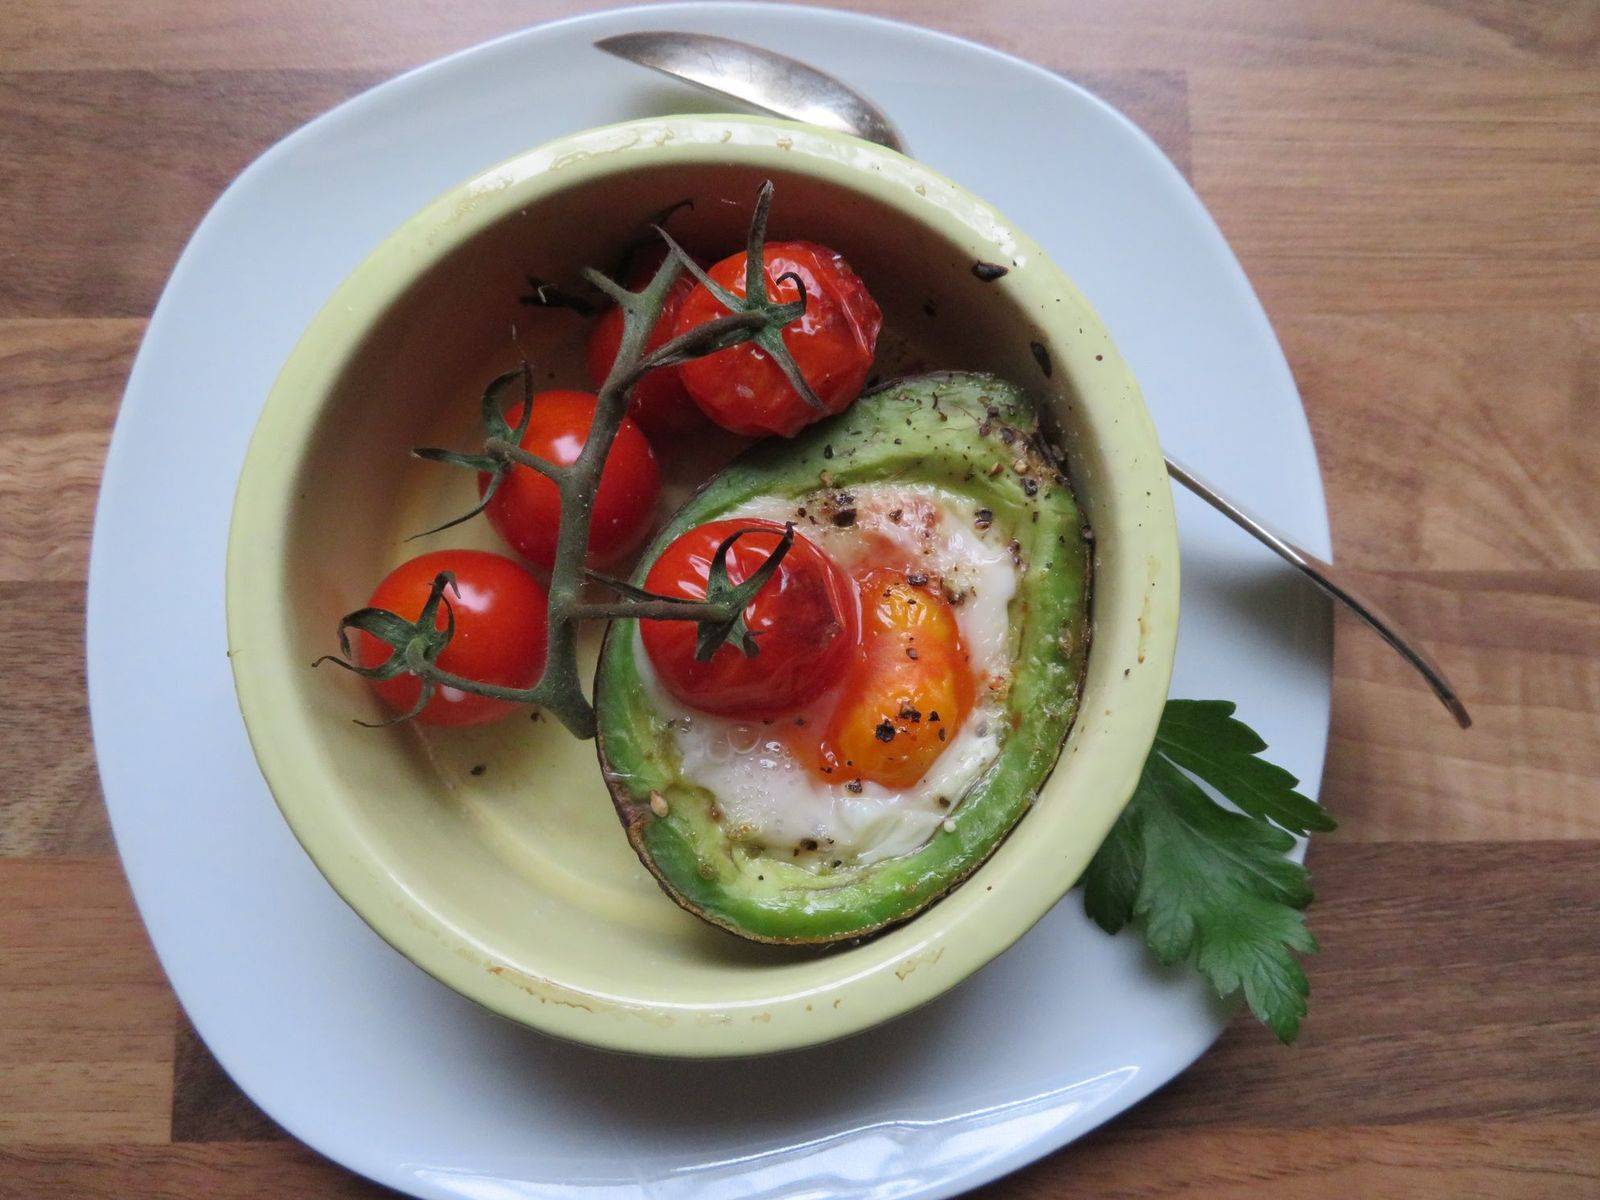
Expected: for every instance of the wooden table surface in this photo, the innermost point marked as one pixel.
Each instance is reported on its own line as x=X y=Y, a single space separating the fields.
x=1414 y=188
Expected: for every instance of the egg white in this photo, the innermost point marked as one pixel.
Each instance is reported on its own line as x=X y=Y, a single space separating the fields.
x=767 y=797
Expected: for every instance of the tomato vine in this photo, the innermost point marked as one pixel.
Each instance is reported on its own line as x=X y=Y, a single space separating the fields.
x=415 y=645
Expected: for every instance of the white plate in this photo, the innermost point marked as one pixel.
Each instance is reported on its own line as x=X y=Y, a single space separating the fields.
x=357 y=1052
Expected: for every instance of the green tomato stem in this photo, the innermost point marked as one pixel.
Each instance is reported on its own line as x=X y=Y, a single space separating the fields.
x=560 y=687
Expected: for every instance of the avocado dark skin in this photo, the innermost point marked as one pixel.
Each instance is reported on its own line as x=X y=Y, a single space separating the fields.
x=950 y=430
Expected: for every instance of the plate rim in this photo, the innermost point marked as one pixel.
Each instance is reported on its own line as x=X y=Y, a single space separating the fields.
x=116 y=467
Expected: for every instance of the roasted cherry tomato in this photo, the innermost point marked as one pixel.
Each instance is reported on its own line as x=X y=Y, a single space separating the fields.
x=659 y=401
x=526 y=510
x=907 y=692
x=804 y=622
x=499 y=638
x=741 y=388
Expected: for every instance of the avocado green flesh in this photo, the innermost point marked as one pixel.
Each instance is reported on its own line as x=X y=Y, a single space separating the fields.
x=949 y=430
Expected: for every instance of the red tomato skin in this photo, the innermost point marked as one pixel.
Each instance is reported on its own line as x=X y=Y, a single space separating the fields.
x=741 y=388
x=805 y=621
x=500 y=633
x=659 y=402
x=526 y=510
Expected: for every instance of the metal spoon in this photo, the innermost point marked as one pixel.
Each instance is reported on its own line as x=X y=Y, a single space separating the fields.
x=764 y=79
x=789 y=88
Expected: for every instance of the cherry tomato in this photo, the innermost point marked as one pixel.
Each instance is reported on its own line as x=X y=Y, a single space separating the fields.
x=741 y=388
x=526 y=510
x=499 y=638
x=907 y=692
x=659 y=401
x=804 y=622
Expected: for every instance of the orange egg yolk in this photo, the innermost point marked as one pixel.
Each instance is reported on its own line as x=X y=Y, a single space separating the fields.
x=907 y=691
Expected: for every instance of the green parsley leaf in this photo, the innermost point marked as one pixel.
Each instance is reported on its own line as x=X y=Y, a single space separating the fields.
x=1202 y=737
x=1111 y=883
x=1210 y=885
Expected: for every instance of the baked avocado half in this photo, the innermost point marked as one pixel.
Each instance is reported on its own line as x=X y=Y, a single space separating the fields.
x=971 y=436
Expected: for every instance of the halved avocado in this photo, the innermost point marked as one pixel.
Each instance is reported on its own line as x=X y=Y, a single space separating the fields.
x=975 y=436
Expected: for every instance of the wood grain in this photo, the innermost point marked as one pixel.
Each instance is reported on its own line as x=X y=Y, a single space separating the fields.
x=1454 y=441
x=85 y=1013
x=1524 y=647
x=388 y=34
x=1455 y=983
x=51 y=799
x=140 y=156
x=218 y=1171
x=1406 y=190
x=206 y=1105
x=60 y=384
x=1414 y=187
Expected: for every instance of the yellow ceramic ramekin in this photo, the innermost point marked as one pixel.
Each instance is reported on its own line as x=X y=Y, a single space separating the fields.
x=514 y=884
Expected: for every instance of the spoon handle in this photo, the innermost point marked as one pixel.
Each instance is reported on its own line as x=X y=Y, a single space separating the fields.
x=1331 y=580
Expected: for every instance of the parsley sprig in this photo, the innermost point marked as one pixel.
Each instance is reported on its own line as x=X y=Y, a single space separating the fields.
x=1210 y=884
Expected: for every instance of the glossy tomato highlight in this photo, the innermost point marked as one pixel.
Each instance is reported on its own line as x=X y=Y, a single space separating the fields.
x=804 y=621
x=500 y=635
x=526 y=510
x=742 y=388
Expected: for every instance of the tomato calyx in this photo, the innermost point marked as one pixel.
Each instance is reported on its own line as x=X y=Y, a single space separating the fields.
x=498 y=432
x=803 y=622
x=414 y=646
x=757 y=302
x=722 y=590
x=720 y=616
